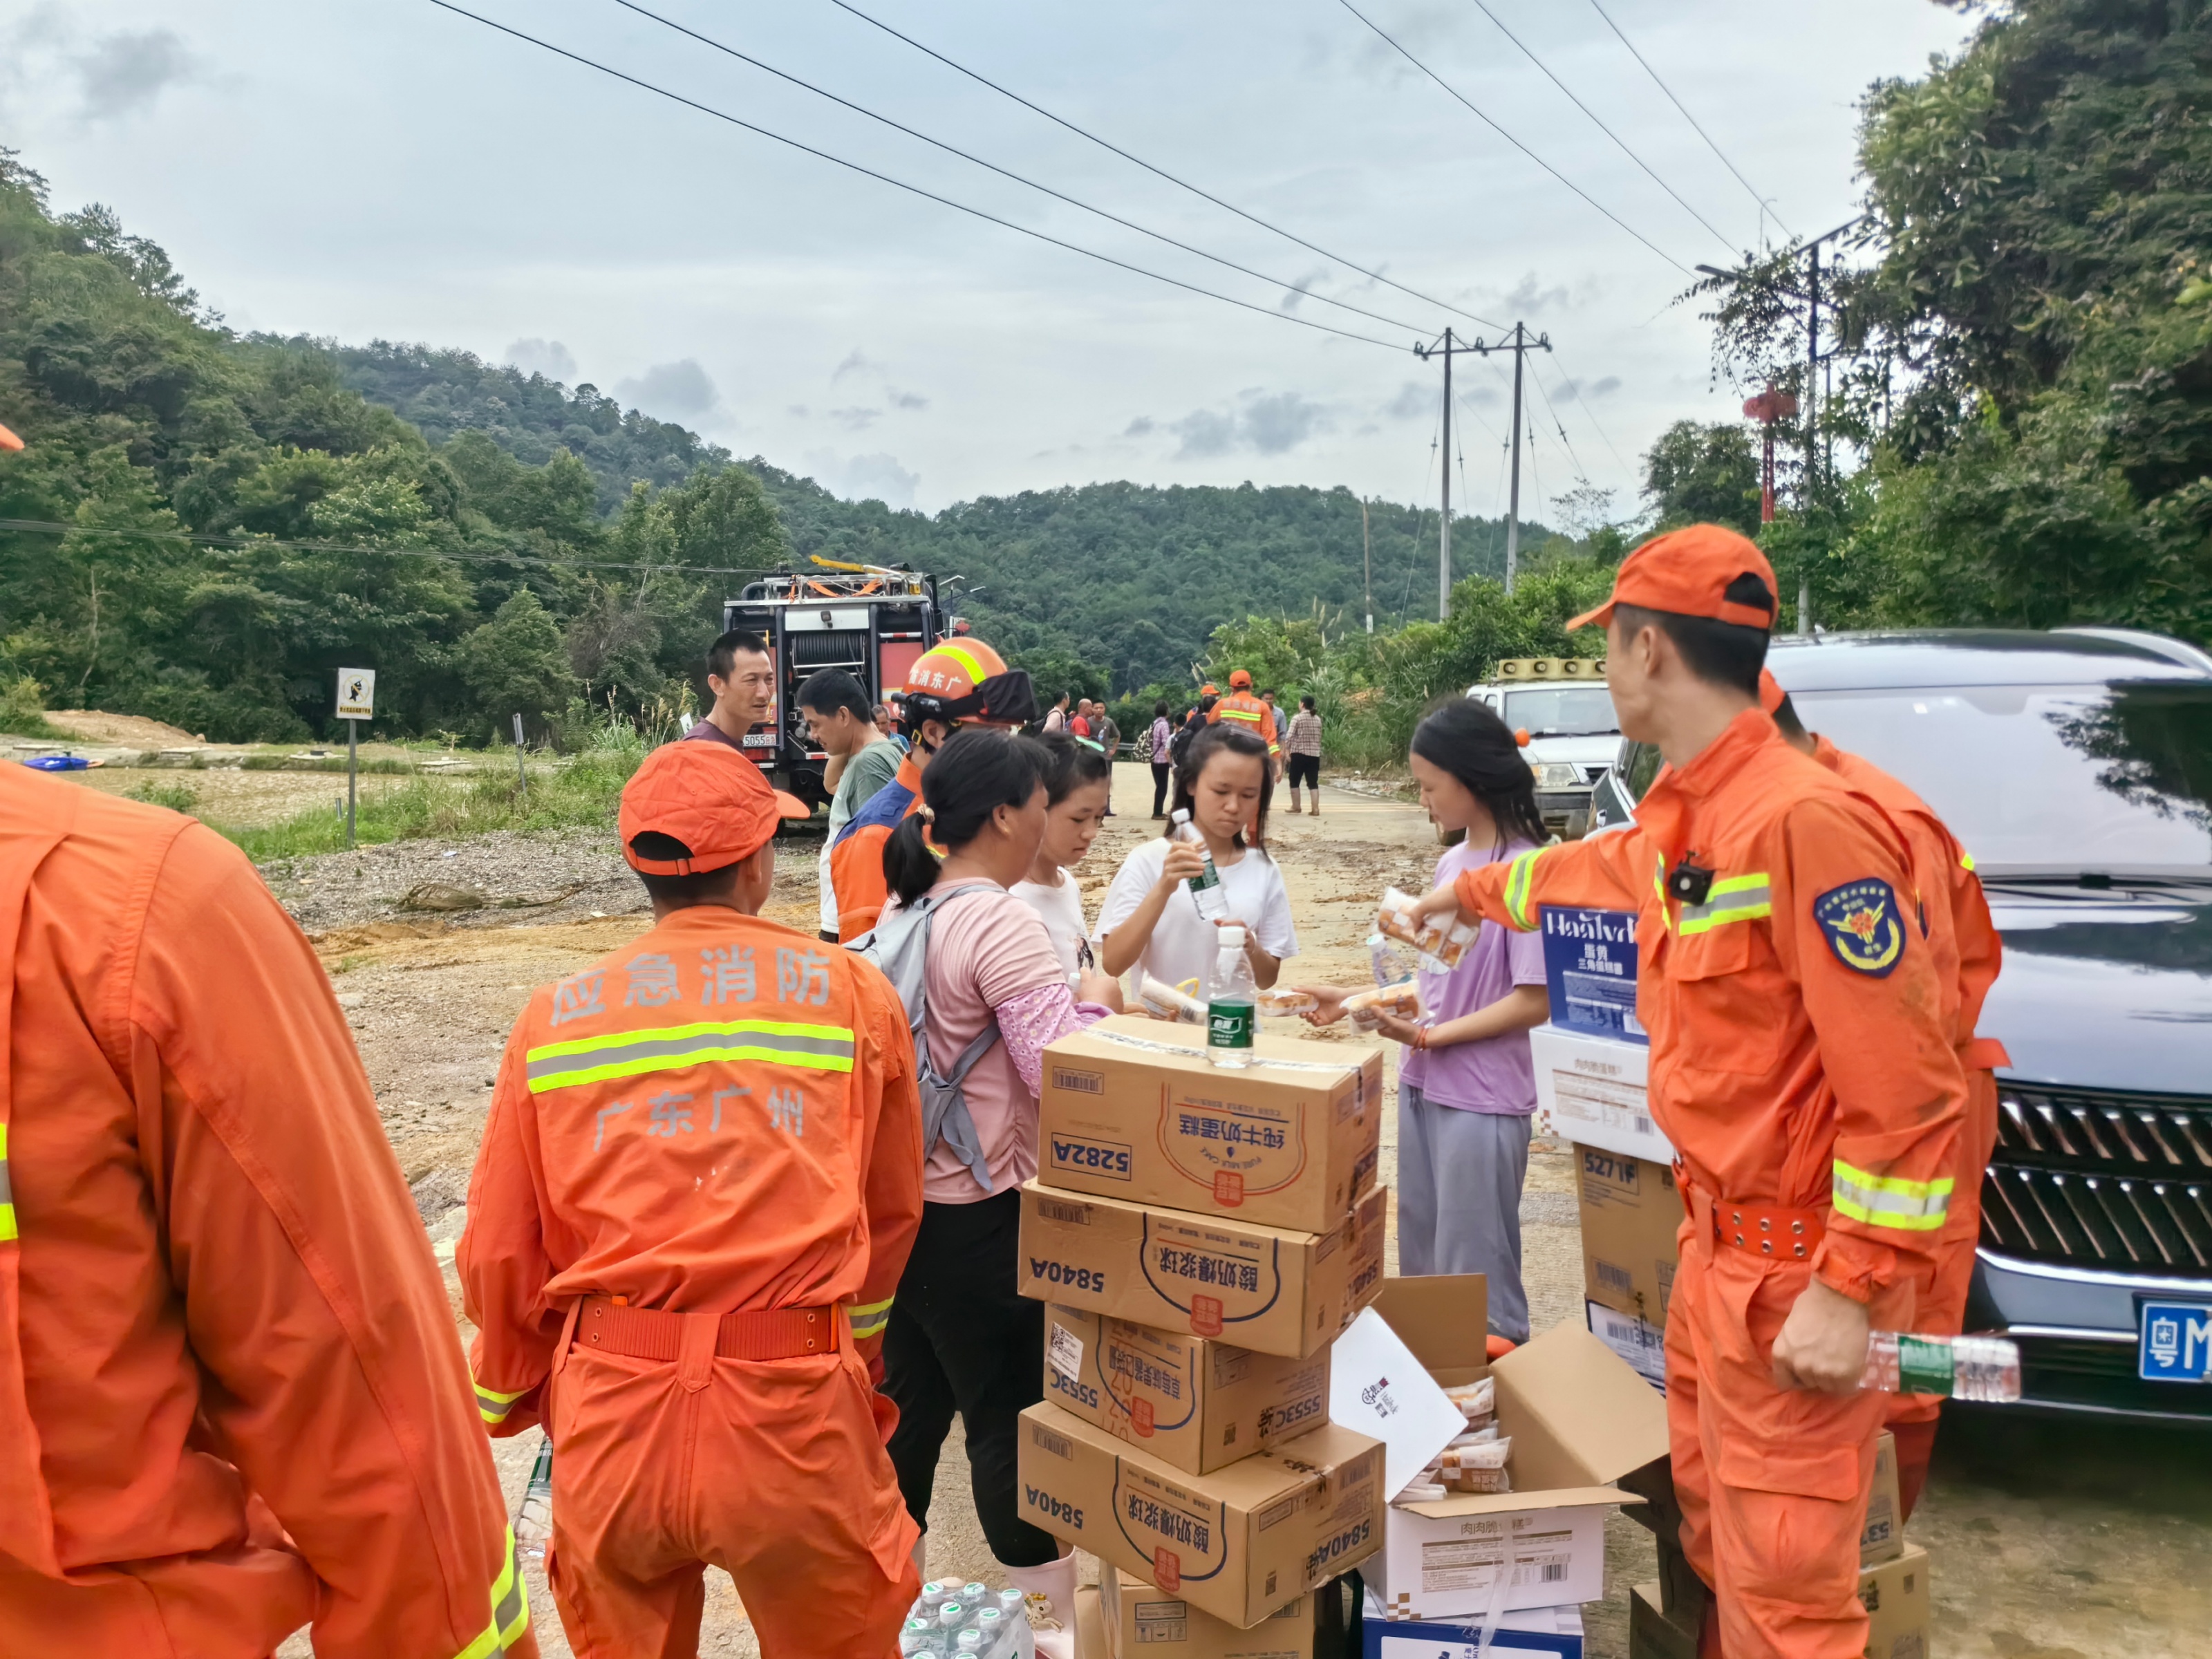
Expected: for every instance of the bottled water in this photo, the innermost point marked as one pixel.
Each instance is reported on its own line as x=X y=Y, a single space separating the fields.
x=533 y=1526
x=1205 y=886
x=1231 y=1003
x=952 y=1616
x=949 y=1619
x=975 y=1593
x=1973 y=1367
x=935 y=1594
x=968 y=1641
x=919 y=1637
x=1389 y=963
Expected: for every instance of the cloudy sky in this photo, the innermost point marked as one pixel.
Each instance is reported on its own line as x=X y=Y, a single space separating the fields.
x=396 y=170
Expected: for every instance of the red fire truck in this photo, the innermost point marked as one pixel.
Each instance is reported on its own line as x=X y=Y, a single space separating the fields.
x=871 y=621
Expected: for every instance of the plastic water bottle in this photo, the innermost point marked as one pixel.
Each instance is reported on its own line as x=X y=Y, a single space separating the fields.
x=935 y=1594
x=991 y=1624
x=951 y=1617
x=968 y=1641
x=1231 y=1003
x=1388 y=962
x=1205 y=886
x=1975 y=1368
x=919 y=1637
x=974 y=1593
x=533 y=1526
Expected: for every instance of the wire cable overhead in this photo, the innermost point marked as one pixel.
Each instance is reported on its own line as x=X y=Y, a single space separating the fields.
x=899 y=184
x=1473 y=109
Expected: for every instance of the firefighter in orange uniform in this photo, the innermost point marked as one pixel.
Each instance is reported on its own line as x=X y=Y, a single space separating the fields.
x=1802 y=1065
x=697 y=1190
x=231 y=1402
x=1248 y=711
x=955 y=683
x=1962 y=940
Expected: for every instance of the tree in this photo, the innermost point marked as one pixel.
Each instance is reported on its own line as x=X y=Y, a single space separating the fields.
x=517 y=663
x=1700 y=474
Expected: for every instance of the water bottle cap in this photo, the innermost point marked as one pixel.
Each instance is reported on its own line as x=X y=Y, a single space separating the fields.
x=1232 y=938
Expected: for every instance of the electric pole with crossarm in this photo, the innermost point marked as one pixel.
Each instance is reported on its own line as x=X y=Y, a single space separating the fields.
x=1520 y=342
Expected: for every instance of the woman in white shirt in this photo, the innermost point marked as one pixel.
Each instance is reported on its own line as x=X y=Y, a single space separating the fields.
x=1078 y=780
x=1150 y=919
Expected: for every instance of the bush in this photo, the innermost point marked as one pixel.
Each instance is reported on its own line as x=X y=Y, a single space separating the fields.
x=23 y=708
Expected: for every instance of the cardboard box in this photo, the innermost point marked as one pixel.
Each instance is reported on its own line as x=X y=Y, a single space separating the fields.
x=1643 y=1347
x=1554 y=1632
x=1579 y=1418
x=1143 y=1622
x=1630 y=1209
x=1590 y=968
x=1895 y=1596
x=1196 y=1404
x=1591 y=1090
x=1236 y=1543
x=1654 y=1634
x=1263 y=1288
x=1883 y=1538
x=1132 y=1108
x=1090 y=1623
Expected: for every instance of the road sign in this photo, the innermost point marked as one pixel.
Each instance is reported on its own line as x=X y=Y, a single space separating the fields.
x=2176 y=1342
x=357 y=693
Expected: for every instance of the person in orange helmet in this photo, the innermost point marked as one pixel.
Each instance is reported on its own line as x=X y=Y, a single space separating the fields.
x=232 y=1402
x=1802 y=1064
x=953 y=683
x=698 y=1189
x=1963 y=940
x=1249 y=712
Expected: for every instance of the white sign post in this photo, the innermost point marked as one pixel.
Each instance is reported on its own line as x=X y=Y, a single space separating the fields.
x=357 y=702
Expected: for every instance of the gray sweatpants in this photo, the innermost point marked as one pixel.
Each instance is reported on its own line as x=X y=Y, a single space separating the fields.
x=1459 y=1199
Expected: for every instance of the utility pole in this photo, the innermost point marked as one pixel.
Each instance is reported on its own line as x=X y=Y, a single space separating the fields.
x=1367 y=562
x=1520 y=342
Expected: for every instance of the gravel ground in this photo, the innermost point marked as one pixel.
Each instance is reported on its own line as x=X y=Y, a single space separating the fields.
x=565 y=876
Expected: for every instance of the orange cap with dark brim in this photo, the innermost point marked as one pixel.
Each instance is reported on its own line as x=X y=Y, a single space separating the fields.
x=9 y=440
x=1690 y=572
x=1239 y=681
x=706 y=797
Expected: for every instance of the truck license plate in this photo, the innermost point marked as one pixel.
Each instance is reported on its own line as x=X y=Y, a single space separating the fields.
x=2176 y=1345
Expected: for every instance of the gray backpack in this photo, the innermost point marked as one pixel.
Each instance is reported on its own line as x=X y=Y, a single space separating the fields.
x=899 y=944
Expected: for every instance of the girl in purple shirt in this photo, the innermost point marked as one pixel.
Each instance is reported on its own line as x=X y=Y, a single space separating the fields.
x=1467 y=1088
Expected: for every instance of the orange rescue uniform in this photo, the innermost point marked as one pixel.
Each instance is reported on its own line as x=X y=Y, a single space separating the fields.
x=1802 y=1063
x=1249 y=712
x=231 y=1402
x=1963 y=941
x=719 y=1119
x=856 y=857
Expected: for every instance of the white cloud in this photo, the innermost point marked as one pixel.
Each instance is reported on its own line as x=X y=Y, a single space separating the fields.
x=876 y=477
x=128 y=70
x=1269 y=423
x=680 y=391
x=547 y=357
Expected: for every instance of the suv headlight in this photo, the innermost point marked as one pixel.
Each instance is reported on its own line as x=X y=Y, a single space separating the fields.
x=1555 y=774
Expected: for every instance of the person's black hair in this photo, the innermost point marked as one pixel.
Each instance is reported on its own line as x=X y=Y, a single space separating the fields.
x=1203 y=748
x=722 y=655
x=1786 y=718
x=829 y=689
x=1722 y=653
x=1270 y=692
x=700 y=887
x=1068 y=763
x=1467 y=738
x=1160 y=710
x=1306 y=702
x=1205 y=704
x=978 y=770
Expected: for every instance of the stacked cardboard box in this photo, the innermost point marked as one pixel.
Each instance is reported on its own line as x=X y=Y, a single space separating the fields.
x=1201 y=1236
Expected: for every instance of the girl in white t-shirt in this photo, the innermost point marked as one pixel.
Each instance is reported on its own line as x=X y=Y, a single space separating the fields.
x=1077 y=781
x=1150 y=919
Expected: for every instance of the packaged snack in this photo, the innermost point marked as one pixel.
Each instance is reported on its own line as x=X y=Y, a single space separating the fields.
x=1477 y=1480
x=1165 y=1001
x=1401 y=1001
x=1488 y=1455
x=1283 y=1004
x=1474 y=1399
x=1419 y=1491
x=1441 y=941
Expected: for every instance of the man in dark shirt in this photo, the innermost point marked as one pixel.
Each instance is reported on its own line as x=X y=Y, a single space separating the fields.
x=741 y=673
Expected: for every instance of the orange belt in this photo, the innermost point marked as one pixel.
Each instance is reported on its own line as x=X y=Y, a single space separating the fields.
x=1768 y=1230
x=609 y=1326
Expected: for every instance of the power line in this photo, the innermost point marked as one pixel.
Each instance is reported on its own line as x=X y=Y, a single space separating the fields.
x=1600 y=124
x=1582 y=403
x=1160 y=172
x=1565 y=442
x=1762 y=202
x=901 y=183
x=1501 y=132
x=254 y=543
x=1006 y=172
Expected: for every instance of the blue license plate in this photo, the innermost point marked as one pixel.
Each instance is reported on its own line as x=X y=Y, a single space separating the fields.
x=2176 y=1342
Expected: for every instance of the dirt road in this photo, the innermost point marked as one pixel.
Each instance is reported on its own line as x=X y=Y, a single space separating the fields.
x=2048 y=1541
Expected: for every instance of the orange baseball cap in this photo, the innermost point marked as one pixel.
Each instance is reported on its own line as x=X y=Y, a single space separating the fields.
x=9 y=440
x=1239 y=681
x=1689 y=572
x=1770 y=694
x=706 y=797
x=1209 y=690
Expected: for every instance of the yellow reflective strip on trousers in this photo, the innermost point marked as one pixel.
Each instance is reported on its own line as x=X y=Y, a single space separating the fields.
x=7 y=1192
x=493 y=1406
x=870 y=1318
x=1913 y=1207
x=510 y=1611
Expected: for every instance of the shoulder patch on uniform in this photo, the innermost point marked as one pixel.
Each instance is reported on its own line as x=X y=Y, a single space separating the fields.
x=1861 y=922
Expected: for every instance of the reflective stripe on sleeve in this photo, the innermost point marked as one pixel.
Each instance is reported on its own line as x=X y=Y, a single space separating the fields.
x=510 y=1611
x=1518 y=880
x=493 y=1406
x=1912 y=1207
x=7 y=1192
x=868 y=1319
x=1735 y=898
x=1965 y=860
x=672 y=1047
x=1659 y=887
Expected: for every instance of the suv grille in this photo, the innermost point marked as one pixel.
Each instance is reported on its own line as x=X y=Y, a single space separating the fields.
x=2097 y=1179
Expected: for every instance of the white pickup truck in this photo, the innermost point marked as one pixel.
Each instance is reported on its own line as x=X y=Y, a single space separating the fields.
x=1561 y=702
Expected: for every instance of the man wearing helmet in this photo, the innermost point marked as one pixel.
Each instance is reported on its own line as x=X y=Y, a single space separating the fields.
x=955 y=683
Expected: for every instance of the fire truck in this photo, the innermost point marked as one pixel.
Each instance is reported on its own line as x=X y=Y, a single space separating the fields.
x=871 y=621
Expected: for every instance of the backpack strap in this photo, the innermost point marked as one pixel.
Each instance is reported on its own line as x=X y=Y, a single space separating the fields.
x=944 y=1114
